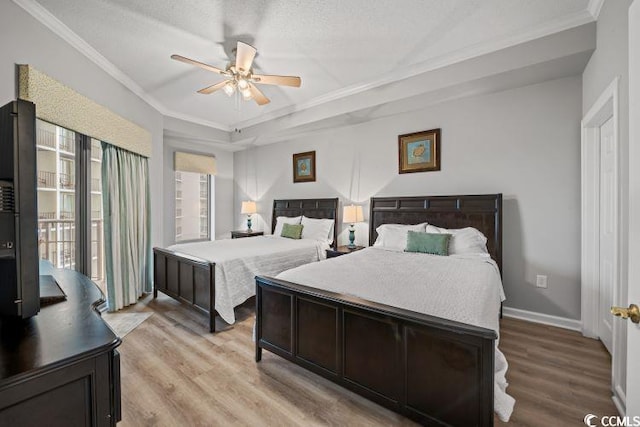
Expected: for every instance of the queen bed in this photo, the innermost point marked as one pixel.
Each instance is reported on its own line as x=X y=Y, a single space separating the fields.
x=416 y=333
x=214 y=277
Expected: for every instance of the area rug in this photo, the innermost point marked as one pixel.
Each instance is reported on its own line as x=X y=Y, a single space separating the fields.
x=123 y=323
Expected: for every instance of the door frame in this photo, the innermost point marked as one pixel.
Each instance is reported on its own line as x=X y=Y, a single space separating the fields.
x=604 y=108
x=632 y=404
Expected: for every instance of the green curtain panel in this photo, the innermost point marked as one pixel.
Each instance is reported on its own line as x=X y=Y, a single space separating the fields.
x=127 y=225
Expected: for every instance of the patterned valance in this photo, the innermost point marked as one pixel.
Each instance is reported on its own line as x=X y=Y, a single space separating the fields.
x=63 y=106
x=188 y=162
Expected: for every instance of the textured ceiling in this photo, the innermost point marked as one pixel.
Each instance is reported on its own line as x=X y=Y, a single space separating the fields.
x=331 y=44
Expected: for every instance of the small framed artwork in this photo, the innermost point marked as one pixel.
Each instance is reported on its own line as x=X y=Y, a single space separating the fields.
x=304 y=167
x=419 y=151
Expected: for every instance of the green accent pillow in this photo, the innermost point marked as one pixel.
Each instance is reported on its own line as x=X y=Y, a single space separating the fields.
x=428 y=243
x=292 y=231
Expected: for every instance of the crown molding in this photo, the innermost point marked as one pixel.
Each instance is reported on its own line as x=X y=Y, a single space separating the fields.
x=565 y=23
x=171 y=138
x=196 y=120
x=46 y=18
x=594 y=8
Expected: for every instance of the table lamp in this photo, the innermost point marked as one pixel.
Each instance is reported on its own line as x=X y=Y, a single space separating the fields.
x=350 y=215
x=248 y=208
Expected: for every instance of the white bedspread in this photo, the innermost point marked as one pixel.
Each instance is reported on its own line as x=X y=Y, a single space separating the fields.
x=429 y=284
x=238 y=261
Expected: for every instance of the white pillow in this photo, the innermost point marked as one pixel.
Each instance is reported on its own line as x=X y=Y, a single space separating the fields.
x=285 y=220
x=393 y=237
x=463 y=240
x=317 y=229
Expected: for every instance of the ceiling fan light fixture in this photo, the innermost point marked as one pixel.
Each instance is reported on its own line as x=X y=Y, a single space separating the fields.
x=246 y=93
x=229 y=89
x=239 y=77
x=243 y=84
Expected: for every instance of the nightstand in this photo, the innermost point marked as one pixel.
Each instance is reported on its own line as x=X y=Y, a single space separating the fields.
x=245 y=233
x=341 y=250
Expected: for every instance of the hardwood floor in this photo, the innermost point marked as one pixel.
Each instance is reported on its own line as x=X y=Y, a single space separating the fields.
x=174 y=373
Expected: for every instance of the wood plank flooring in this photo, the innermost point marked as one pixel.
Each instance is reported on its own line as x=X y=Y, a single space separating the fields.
x=174 y=373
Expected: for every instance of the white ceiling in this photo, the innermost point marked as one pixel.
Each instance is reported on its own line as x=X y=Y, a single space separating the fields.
x=336 y=46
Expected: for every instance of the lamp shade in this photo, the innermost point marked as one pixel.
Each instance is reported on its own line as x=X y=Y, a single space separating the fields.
x=248 y=208
x=352 y=214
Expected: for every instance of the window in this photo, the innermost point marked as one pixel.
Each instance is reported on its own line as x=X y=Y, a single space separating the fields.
x=70 y=233
x=193 y=202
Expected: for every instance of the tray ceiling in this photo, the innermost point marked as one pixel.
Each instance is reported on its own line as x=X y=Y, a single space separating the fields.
x=336 y=46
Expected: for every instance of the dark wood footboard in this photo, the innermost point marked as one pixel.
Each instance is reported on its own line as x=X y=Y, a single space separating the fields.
x=188 y=279
x=432 y=370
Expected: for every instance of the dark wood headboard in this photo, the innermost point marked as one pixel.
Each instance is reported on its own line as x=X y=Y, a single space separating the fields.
x=483 y=212
x=311 y=208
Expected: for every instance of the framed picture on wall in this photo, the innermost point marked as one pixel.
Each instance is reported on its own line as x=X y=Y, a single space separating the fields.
x=304 y=167
x=419 y=151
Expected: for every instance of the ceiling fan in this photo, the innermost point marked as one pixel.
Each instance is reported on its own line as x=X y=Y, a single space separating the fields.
x=239 y=76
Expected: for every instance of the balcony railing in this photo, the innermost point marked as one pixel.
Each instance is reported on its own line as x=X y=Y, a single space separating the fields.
x=57 y=243
x=67 y=215
x=68 y=143
x=96 y=152
x=96 y=184
x=46 y=138
x=46 y=179
x=46 y=215
x=67 y=181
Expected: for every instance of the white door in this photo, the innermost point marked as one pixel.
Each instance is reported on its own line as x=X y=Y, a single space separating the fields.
x=633 y=291
x=607 y=233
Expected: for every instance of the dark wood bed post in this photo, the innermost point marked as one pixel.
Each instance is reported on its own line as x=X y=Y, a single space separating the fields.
x=258 y=333
x=187 y=279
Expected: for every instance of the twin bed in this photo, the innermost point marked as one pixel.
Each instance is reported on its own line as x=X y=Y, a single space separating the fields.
x=416 y=333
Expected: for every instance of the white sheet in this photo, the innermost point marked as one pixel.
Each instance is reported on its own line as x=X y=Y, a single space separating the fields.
x=238 y=261
x=428 y=284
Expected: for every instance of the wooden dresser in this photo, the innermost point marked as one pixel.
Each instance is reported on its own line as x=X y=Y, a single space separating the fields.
x=61 y=367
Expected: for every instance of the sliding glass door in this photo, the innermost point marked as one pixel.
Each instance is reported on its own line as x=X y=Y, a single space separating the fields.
x=56 y=194
x=70 y=200
x=95 y=204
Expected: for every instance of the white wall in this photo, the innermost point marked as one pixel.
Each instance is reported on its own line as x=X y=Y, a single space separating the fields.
x=223 y=197
x=524 y=143
x=26 y=41
x=610 y=60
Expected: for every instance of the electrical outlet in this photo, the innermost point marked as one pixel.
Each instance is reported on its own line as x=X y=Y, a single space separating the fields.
x=541 y=281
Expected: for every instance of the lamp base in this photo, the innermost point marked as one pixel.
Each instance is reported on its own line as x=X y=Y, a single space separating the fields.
x=352 y=237
x=249 y=224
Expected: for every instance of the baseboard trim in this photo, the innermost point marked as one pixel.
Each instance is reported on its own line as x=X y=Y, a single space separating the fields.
x=619 y=399
x=545 y=319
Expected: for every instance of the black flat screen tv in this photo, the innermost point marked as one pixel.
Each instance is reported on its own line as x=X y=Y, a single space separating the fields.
x=19 y=263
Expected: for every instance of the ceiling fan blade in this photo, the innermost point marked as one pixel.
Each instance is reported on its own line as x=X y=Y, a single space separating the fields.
x=277 y=80
x=197 y=64
x=244 y=56
x=212 y=88
x=258 y=96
